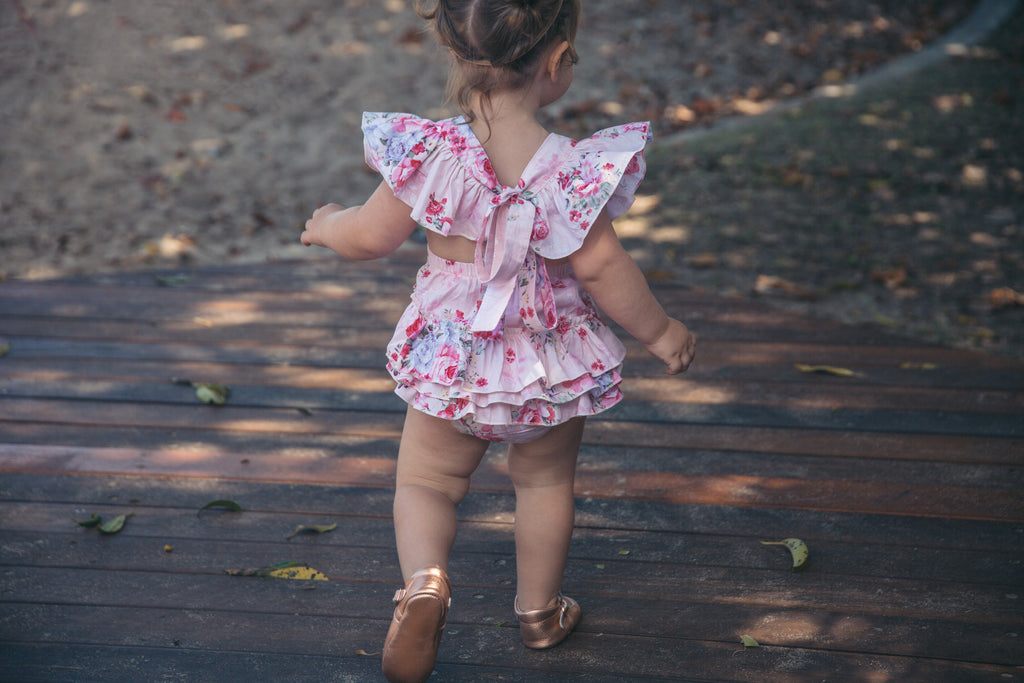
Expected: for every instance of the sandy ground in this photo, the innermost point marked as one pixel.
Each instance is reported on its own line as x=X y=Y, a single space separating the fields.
x=145 y=134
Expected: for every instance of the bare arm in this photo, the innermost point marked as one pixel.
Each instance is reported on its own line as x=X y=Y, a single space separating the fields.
x=615 y=282
x=364 y=232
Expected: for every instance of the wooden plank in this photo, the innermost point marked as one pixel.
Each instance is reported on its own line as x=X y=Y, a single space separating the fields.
x=125 y=380
x=775 y=588
x=619 y=518
x=31 y=662
x=894 y=560
x=609 y=615
x=586 y=652
x=744 y=434
x=706 y=405
x=750 y=384
x=723 y=360
x=85 y=312
x=365 y=470
x=226 y=459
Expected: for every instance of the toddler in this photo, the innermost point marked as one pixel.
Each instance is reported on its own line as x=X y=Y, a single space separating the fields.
x=502 y=340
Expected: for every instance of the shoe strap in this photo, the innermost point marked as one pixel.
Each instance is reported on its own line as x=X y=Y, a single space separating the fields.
x=563 y=611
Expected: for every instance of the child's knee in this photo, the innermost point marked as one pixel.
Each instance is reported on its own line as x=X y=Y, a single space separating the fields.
x=451 y=487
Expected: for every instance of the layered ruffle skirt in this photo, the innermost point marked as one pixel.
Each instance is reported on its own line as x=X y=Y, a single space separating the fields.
x=512 y=375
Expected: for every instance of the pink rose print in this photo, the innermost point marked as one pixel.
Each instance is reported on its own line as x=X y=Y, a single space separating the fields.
x=597 y=366
x=434 y=207
x=415 y=328
x=510 y=356
x=482 y=382
x=540 y=231
x=451 y=372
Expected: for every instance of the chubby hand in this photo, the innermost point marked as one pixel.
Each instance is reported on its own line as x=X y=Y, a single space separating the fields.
x=675 y=347
x=315 y=226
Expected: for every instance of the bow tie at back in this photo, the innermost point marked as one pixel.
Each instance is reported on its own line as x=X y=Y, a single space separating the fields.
x=505 y=262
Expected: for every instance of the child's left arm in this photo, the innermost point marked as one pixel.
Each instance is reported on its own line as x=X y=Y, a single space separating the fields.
x=364 y=232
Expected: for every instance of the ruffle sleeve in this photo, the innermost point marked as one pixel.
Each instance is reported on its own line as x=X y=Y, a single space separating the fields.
x=396 y=145
x=601 y=172
x=428 y=166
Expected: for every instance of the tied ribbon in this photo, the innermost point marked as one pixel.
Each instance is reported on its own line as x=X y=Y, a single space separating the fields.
x=505 y=262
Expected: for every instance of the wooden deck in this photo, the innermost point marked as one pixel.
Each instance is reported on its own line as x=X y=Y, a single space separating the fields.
x=905 y=481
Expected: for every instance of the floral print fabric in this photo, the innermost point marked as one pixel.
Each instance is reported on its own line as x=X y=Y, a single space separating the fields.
x=507 y=339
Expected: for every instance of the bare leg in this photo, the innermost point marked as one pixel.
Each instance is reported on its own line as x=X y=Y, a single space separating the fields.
x=542 y=472
x=435 y=462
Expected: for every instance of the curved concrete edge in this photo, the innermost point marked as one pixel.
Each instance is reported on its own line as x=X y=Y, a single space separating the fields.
x=986 y=17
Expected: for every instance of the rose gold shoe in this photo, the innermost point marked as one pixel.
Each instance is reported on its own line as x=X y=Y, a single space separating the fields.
x=410 y=648
x=548 y=626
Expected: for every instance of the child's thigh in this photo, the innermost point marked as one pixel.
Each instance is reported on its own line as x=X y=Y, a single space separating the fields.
x=549 y=460
x=433 y=453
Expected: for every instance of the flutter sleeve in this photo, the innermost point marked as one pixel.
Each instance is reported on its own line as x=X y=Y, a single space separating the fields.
x=396 y=145
x=601 y=174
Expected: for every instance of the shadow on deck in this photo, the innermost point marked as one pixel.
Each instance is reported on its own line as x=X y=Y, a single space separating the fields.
x=904 y=479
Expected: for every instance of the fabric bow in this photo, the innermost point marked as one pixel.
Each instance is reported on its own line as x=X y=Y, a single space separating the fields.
x=505 y=262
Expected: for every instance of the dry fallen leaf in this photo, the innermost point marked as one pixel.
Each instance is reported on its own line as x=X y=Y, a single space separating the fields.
x=300 y=572
x=212 y=393
x=826 y=370
x=770 y=285
x=797 y=549
x=313 y=529
x=1004 y=297
x=281 y=570
x=704 y=260
x=890 y=277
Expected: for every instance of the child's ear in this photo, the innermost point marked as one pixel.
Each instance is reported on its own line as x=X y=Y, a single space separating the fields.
x=555 y=57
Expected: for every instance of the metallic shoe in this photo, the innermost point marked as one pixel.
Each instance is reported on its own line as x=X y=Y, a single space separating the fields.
x=410 y=648
x=548 y=626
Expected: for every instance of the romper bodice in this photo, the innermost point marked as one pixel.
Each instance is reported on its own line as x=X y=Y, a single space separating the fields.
x=442 y=172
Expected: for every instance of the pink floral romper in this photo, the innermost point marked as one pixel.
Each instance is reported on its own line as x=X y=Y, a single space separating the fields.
x=508 y=346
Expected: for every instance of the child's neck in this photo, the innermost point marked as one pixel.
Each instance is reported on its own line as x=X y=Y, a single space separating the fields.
x=509 y=132
x=513 y=111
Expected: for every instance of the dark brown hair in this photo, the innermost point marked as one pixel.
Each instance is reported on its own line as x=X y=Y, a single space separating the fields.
x=496 y=43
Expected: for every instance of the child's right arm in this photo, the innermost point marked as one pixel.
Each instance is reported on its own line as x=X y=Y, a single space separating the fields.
x=367 y=231
x=616 y=284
